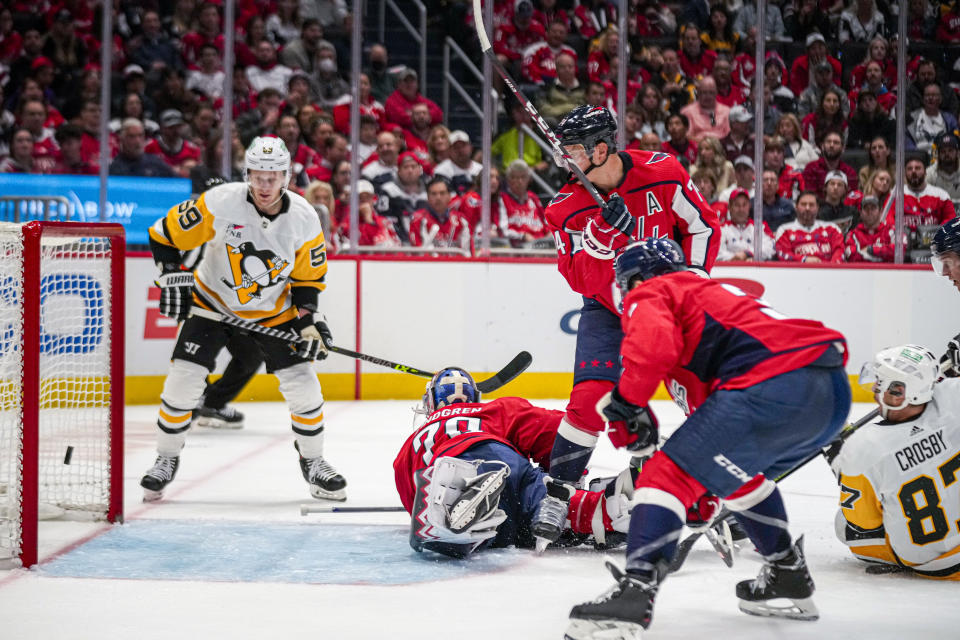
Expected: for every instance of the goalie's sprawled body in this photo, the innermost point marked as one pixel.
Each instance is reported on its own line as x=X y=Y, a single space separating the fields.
x=467 y=480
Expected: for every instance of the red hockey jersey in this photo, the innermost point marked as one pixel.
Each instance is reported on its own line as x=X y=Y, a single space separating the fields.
x=929 y=206
x=871 y=246
x=540 y=61
x=426 y=230
x=659 y=193
x=709 y=335
x=452 y=430
x=796 y=243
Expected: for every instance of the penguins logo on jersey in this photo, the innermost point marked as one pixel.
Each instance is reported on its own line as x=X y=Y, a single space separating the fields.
x=253 y=270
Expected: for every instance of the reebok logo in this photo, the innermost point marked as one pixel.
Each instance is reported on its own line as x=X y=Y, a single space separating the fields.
x=915 y=430
x=731 y=468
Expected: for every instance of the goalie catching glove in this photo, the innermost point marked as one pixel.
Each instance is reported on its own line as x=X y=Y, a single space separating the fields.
x=455 y=508
x=629 y=426
x=176 y=293
x=316 y=336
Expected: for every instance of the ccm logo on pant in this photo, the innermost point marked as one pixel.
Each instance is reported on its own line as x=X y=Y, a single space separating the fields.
x=733 y=469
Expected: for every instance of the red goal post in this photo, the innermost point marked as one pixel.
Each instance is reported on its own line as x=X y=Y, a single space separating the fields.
x=61 y=377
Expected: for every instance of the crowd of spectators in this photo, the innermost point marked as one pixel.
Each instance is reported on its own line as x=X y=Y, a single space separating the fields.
x=830 y=101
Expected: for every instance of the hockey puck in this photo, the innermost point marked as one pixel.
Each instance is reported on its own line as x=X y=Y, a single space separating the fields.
x=68 y=455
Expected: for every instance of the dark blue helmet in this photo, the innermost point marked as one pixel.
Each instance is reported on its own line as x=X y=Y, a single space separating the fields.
x=947 y=238
x=647 y=259
x=588 y=125
x=450 y=386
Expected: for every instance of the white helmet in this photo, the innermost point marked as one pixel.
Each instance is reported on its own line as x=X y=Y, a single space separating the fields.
x=909 y=368
x=267 y=154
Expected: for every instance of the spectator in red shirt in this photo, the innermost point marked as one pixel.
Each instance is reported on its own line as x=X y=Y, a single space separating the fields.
x=209 y=31
x=179 y=154
x=878 y=51
x=607 y=48
x=540 y=58
x=728 y=93
x=374 y=229
x=948 y=28
x=923 y=204
x=696 y=61
x=789 y=181
x=417 y=133
x=807 y=239
x=438 y=224
x=831 y=148
x=872 y=239
x=368 y=106
x=678 y=144
x=335 y=149
x=803 y=66
x=69 y=159
x=590 y=17
x=873 y=81
x=90 y=124
x=549 y=13
x=10 y=40
x=512 y=38
x=520 y=214
x=407 y=94
x=21 y=158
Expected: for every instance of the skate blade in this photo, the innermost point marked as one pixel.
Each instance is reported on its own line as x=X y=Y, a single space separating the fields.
x=152 y=496
x=603 y=630
x=215 y=423
x=340 y=495
x=722 y=541
x=792 y=608
x=463 y=514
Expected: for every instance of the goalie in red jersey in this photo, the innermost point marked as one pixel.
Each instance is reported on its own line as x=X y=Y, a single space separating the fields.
x=648 y=194
x=466 y=477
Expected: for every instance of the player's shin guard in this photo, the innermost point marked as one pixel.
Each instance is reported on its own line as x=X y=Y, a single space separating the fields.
x=182 y=389
x=656 y=521
x=758 y=507
x=572 y=448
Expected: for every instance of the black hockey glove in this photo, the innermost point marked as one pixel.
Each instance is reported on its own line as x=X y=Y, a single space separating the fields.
x=616 y=214
x=631 y=427
x=950 y=362
x=316 y=335
x=176 y=294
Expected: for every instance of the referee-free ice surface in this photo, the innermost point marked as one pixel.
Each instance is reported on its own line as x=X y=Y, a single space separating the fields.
x=227 y=555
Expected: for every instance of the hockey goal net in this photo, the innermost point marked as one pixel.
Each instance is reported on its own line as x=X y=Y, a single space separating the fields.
x=61 y=378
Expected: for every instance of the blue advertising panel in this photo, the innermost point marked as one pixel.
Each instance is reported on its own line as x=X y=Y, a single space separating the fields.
x=133 y=202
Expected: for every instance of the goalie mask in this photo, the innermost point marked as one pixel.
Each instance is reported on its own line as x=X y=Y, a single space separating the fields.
x=455 y=508
x=449 y=386
x=909 y=372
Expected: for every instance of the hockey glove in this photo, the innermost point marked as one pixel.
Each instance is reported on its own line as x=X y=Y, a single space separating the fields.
x=701 y=513
x=950 y=362
x=616 y=214
x=176 y=294
x=631 y=427
x=316 y=335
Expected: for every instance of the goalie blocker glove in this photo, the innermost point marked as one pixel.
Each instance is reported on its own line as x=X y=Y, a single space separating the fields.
x=631 y=427
x=316 y=336
x=176 y=294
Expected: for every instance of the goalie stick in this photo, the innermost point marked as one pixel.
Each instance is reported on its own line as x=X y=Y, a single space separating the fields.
x=558 y=152
x=316 y=508
x=684 y=547
x=510 y=371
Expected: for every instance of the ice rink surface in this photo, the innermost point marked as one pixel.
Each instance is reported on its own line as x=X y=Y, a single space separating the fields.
x=228 y=555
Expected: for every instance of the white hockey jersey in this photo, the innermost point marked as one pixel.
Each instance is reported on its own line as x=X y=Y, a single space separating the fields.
x=250 y=262
x=899 y=489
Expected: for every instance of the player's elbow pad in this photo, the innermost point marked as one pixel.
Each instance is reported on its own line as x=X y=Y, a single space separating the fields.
x=165 y=255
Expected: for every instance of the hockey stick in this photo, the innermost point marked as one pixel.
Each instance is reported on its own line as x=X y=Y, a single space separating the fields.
x=316 y=508
x=558 y=151
x=510 y=371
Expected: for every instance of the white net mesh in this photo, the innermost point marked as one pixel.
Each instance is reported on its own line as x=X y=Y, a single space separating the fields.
x=75 y=389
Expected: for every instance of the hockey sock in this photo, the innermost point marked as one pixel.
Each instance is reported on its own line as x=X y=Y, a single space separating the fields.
x=655 y=525
x=571 y=452
x=766 y=524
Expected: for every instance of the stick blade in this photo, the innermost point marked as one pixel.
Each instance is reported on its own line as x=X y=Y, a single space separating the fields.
x=512 y=369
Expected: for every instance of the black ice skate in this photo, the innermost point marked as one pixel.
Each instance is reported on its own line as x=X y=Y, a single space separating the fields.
x=622 y=613
x=325 y=483
x=225 y=418
x=162 y=473
x=551 y=518
x=782 y=590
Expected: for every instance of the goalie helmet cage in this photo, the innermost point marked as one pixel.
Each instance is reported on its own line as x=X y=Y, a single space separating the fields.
x=61 y=377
